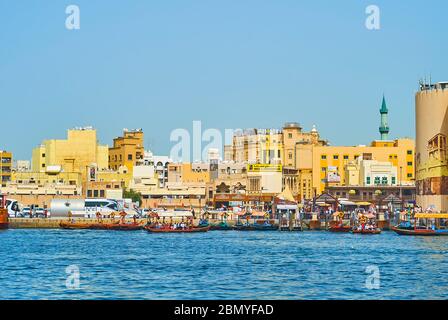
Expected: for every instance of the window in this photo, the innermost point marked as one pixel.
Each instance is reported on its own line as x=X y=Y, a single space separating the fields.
x=95 y=193
x=356 y=156
x=290 y=155
x=409 y=163
x=409 y=152
x=129 y=156
x=323 y=169
x=323 y=157
x=409 y=175
x=384 y=180
x=89 y=193
x=335 y=157
x=394 y=180
x=43 y=155
x=377 y=180
x=368 y=180
x=345 y=156
x=290 y=135
x=43 y=165
x=101 y=193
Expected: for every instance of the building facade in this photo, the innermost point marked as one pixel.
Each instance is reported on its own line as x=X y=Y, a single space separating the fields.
x=431 y=111
x=5 y=166
x=75 y=154
x=127 y=150
x=331 y=162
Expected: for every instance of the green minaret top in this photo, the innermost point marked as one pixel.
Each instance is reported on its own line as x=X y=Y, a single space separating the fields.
x=384 y=106
x=384 y=127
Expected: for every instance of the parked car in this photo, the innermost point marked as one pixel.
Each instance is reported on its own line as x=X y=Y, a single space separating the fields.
x=40 y=212
x=26 y=212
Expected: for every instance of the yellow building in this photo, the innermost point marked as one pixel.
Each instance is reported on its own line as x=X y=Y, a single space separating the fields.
x=127 y=150
x=256 y=146
x=75 y=154
x=5 y=166
x=431 y=109
x=188 y=173
x=329 y=163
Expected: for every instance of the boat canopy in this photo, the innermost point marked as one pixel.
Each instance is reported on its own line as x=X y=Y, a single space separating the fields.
x=363 y=203
x=432 y=215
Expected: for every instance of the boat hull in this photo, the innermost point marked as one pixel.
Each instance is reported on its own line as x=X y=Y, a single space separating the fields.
x=366 y=231
x=255 y=228
x=286 y=228
x=165 y=230
x=340 y=229
x=4 y=219
x=100 y=226
x=122 y=227
x=417 y=232
x=73 y=226
x=221 y=227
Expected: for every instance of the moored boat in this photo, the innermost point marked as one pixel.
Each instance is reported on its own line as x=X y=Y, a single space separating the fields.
x=179 y=230
x=434 y=224
x=339 y=228
x=367 y=231
x=414 y=232
x=255 y=227
x=78 y=225
x=221 y=226
x=4 y=216
x=122 y=226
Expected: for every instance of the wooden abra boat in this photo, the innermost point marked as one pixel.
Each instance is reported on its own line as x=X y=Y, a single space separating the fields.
x=414 y=232
x=78 y=225
x=221 y=226
x=340 y=229
x=169 y=230
x=255 y=227
x=432 y=227
x=4 y=217
x=100 y=226
x=121 y=226
x=367 y=231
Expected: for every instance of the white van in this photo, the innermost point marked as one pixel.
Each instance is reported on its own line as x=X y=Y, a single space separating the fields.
x=13 y=208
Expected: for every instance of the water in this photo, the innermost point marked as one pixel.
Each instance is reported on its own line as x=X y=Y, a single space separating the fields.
x=220 y=265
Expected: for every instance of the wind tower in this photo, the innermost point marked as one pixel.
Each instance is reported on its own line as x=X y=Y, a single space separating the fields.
x=384 y=127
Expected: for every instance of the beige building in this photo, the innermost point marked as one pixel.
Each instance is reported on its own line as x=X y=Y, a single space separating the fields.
x=128 y=150
x=329 y=163
x=75 y=154
x=5 y=166
x=370 y=173
x=431 y=111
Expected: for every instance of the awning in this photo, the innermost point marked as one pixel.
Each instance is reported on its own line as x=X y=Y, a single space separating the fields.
x=363 y=203
x=323 y=204
x=432 y=215
x=258 y=214
x=347 y=203
x=172 y=213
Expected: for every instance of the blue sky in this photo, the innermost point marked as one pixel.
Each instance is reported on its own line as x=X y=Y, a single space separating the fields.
x=159 y=65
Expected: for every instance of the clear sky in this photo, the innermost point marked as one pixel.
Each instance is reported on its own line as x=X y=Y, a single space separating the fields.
x=159 y=65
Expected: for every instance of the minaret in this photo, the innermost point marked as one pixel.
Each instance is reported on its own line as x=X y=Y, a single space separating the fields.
x=384 y=127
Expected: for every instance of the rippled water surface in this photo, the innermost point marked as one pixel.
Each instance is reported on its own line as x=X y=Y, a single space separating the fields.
x=220 y=265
